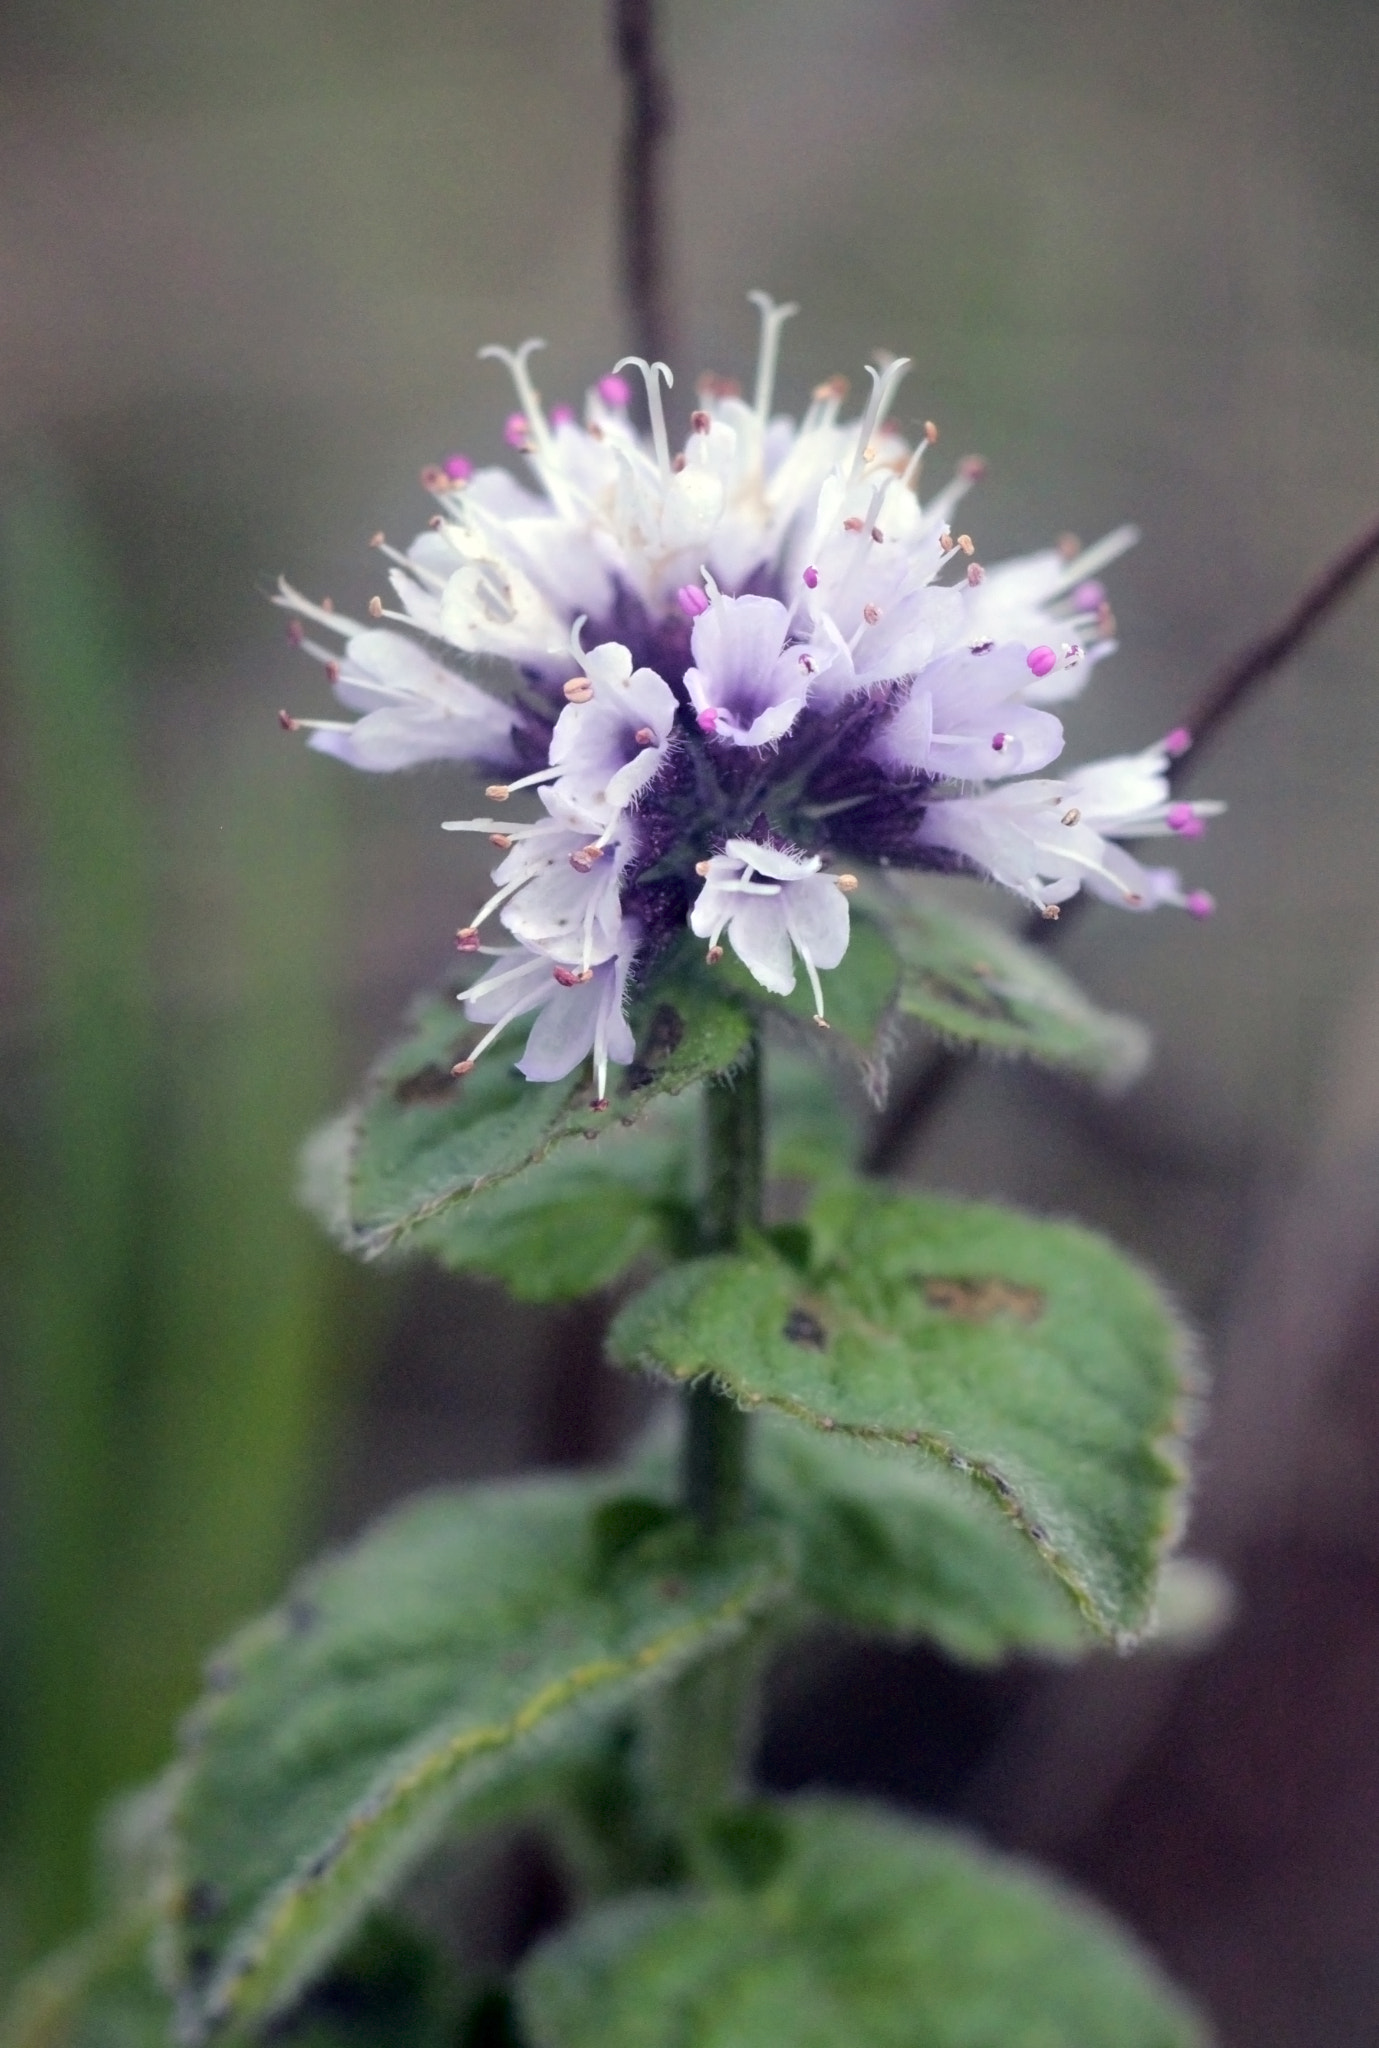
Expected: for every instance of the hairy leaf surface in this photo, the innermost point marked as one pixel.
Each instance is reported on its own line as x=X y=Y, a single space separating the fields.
x=891 y=1544
x=870 y=1933
x=973 y=984
x=1029 y=1357
x=423 y=1144
x=417 y=1676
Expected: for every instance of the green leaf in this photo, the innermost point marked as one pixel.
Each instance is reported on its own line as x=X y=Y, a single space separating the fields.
x=871 y=1933
x=973 y=984
x=413 y=1679
x=423 y=1144
x=1031 y=1358
x=904 y=1548
x=104 y=1992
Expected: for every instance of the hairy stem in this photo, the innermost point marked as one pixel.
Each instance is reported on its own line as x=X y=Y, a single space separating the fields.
x=716 y=1429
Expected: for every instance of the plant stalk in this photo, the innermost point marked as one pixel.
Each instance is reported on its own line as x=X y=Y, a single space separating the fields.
x=716 y=1429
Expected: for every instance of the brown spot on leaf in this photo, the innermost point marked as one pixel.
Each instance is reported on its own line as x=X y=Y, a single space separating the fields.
x=802 y=1328
x=978 y=1301
x=429 y=1084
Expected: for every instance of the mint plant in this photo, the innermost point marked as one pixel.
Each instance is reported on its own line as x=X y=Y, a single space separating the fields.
x=729 y=668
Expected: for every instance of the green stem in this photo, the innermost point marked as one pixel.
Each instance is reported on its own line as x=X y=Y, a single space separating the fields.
x=716 y=1429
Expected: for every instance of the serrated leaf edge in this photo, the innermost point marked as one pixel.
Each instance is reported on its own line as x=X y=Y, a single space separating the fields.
x=1169 y=1447
x=238 y=1993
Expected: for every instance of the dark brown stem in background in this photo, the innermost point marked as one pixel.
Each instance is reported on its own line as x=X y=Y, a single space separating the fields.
x=1236 y=678
x=642 y=197
x=920 y=1096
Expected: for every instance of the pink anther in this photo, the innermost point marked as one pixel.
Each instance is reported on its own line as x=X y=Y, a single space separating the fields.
x=1041 y=661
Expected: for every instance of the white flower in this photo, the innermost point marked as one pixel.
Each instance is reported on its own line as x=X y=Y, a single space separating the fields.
x=415 y=709
x=791 y=656
x=578 y=1014
x=1047 y=839
x=746 y=684
x=768 y=901
x=610 y=741
x=559 y=887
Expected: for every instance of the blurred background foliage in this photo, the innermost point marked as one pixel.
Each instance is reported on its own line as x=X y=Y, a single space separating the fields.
x=247 y=255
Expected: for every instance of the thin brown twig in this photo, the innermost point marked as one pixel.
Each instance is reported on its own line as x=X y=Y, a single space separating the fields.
x=642 y=208
x=1237 y=678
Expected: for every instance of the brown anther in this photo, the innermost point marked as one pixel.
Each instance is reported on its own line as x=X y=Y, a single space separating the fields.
x=582 y=861
x=975 y=574
x=701 y=867
x=594 y=431
x=1134 y=901
x=832 y=387
x=502 y=840
x=930 y=432
x=288 y=722
x=1051 y=912
x=497 y=792
x=566 y=976
x=461 y=1068
x=1069 y=546
x=869 y=452
x=1071 y=817
x=823 y=1023
x=578 y=690
x=601 y=1103
x=296 y=632
x=714 y=955
x=644 y=736
x=700 y=422
x=965 y=543
x=1106 y=619
x=378 y=539
x=877 y=534
x=679 y=462
x=327 y=604
x=847 y=883
x=871 y=613
x=972 y=467
x=375 y=607
x=467 y=938
x=946 y=542
x=853 y=525
x=436 y=523
x=434 y=479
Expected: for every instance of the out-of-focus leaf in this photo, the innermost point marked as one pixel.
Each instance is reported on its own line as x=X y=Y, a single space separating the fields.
x=869 y=1933
x=418 y=1675
x=104 y=1992
x=973 y=984
x=1029 y=1357
x=907 y=1549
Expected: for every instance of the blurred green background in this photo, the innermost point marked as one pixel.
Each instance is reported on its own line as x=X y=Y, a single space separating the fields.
x=247 y=256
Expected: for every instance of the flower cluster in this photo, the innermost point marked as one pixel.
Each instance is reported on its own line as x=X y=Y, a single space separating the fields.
x=733 y=662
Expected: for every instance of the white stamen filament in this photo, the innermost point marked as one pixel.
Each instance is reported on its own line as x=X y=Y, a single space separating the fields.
x=1096 y=557
x=884 y=384
x=515 y=362
x=491 y=825
x=411 y=568
x=773 y=319
x=495 y=1031
x=535 y=969
x=812 y=971
x=652 y=374
x=292 y=601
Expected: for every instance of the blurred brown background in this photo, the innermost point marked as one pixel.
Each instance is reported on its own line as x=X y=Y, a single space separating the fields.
x=247 y=255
